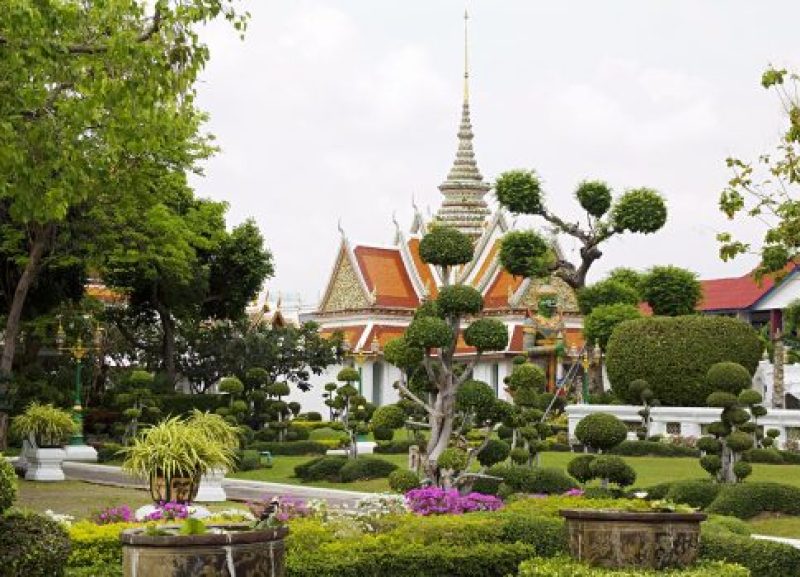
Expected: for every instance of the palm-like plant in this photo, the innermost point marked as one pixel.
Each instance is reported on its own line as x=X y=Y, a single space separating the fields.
x=215 y=427
x=48 y=425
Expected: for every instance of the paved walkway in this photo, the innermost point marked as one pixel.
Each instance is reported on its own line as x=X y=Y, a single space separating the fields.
x=793 y=542
x=237 y=489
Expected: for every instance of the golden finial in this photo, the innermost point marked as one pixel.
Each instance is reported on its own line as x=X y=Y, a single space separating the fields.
x=466 y=55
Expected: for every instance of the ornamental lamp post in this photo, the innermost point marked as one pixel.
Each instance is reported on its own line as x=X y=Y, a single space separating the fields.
x=585 y=363
x=77 y=449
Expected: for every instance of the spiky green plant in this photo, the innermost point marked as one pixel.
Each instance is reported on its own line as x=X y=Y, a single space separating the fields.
x=48 y=425
x=174 y=448
x=215 y=427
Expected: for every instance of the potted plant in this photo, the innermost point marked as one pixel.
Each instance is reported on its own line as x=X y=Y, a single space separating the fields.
x=215 y=427
x=194 y=548
x=173 y=455
x=46 y=428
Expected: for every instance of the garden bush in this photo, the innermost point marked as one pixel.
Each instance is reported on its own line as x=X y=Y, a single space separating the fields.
x=762 y=558
x=601 y=431
x=393 y=447
x=654 y=449
x=313 y=416
x=182 y=404
x=364 y=468
x=463 y=530
x=297 y=433
x=248 y=460
x=108 y=452
x=494 y=452
x=266 y=435
x=772 y=456
x=746 y=500
x=674 y=354
x=403 y=480
x=696 y=493
x=547 y=535
x=521 y=479
x=94 y=544
x=716 y=524
x=8 y=484
x=568 y=567
x=32 y=545
x=612 y=469
x=291 y=448
x=382 y=433
x=579 y=467
x=656 y=492
x=321 y=469
x=729 y=377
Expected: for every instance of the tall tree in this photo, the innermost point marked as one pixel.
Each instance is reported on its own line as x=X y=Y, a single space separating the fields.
x=95 y=97
x=526 y=253
x=767 y=190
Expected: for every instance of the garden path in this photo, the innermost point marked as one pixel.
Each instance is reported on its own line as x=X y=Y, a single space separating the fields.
x=237 y=489
x=793 y=542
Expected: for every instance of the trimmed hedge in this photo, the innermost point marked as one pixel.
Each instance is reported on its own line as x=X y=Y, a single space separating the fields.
x=772 y=456
x=652 y=448
x=763 y=558
x=108 y=452
x=364 y=468
x=673 y=354
x=519 y=479
x=94 y=545
x=321 y=468
x=8 y=484
x=32 y=545
x=696 y=493
x=291 y=447
x=393 y=447
x=746 y=500
x=568 y=567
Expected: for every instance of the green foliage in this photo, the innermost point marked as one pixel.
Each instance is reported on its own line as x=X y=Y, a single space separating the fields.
x=742 y=470
x=8 y=484
x=739 y=442
x=325 y=468
x=495 y=451
x=523 y=479
x=96 y=546
x=771 y=456
x=601 y=431
x=568 y=567
x=348 y=375
x=709 y=445
x=402 y=481
x=429 y=333
x=719 y=524
x=402 y=355
x=365 y=468
x=520 y=191
x=641 y=210
x=214 y=427
x=671 y=291
x=459 y=300
x=606 y=292
x=721 y=400
x=527 y=254
x=652 y=448
x=49 y=426
x=231 y=385
x=696 y=493
x=746 y=500
x=445 y=246
x=475 y=397
x=32 y=545
x=729 y=377
x=627 y=276
x=674 y=354
x=762 y=558
x=281 y=389
x=248 y=460
x=394 y=447
x=291 y=447
x=453 y=459
x=520 y=455
x=389 y=417
x=527 y=376
x=712 y=464
x=599 y=325
x=613 y=469
x=486 y=335
x=580 y=468
x=594 y=197
x=751 y=397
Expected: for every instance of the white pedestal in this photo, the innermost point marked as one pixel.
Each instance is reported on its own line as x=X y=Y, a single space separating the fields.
x=337 y=452
x=44 y=465
x=211 y=490
x=84 y=453
x=366 y=447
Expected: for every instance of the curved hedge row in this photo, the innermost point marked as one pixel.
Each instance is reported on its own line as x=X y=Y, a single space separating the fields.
x=673 y=354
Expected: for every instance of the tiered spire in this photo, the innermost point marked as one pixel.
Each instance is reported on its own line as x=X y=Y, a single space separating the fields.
x=464 y=206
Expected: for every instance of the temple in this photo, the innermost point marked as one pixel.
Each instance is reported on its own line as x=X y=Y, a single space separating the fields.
x=372 y=291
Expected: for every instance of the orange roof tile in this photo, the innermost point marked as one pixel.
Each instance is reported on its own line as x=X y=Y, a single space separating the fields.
x=384 y=334
x=487 y=262
x=423 y=270
x=351 y=334
x=497 y=295
x=385 y=273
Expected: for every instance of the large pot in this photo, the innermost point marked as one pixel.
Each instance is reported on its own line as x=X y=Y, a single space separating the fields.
x=180 y=489
x=44 y=464
x=236 y=553
x=618 y=539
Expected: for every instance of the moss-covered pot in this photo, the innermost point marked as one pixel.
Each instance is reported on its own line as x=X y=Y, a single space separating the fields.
x=617 y=539
x=236 y=553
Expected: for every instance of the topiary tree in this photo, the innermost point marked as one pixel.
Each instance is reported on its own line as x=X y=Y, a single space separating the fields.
x=526 y=385
x=735 y=432
x=606 y=292
x=729 y=377
x=601 y=431
x=642 y=390
x=627 y=276
x=330 y=388
x=671 y=291
x=527 y=254
x=599 y=325
x=673 y=354
x=354 y=409
x=434 y=335
x=138 y=400
x=385 y=420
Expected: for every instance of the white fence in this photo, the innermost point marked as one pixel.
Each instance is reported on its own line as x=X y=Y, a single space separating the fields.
x=684 y=421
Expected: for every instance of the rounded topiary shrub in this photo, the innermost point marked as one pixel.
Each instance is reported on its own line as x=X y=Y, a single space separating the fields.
x=729 y=377
x=601 y=431
x=694 y=492
x=382 y=433
x=613 y=469
x=580 y=468
x=32 y=545
x=403 y=481
x=453 y=459
x=321 y=469
x=8 y=484
x=495 y=451
x=674 y=354
x=365 y=468
x=388 y=417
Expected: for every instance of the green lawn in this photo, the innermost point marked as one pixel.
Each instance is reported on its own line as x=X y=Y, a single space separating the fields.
x=778 y=526
x=649 y=471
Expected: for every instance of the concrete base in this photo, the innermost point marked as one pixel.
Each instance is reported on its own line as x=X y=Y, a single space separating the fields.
x=83 y=453
x=366 y=447
x=211 y=490
x=44 y=465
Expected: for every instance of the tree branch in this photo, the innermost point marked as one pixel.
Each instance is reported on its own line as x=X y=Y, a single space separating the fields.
x=468 y=371
x=407 y=392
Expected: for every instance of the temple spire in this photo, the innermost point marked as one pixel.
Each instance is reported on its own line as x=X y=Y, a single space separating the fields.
x=464 y=206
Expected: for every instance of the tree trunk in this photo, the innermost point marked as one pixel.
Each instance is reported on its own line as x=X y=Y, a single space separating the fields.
x=441 y=431
x=168 y=343
x=13 y=321
x=728 y=461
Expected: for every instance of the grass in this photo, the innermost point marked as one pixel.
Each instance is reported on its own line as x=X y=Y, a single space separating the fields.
x=776 y=525
x=82 y=499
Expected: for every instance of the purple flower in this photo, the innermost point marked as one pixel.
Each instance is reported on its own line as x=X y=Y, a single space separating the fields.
x=435 y=501
x=121 y=514
x=574 y=493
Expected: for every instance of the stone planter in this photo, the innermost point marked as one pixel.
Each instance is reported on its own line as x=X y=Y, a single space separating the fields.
x=180 y=489
x=617 y=539
x=44 y=464
x=235 y=553
x=211 y=490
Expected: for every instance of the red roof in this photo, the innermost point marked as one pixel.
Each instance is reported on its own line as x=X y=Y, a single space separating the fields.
x=733 y=293
x=385 y=273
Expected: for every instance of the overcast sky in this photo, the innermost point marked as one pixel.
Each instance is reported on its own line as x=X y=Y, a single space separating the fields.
x=346 y=108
